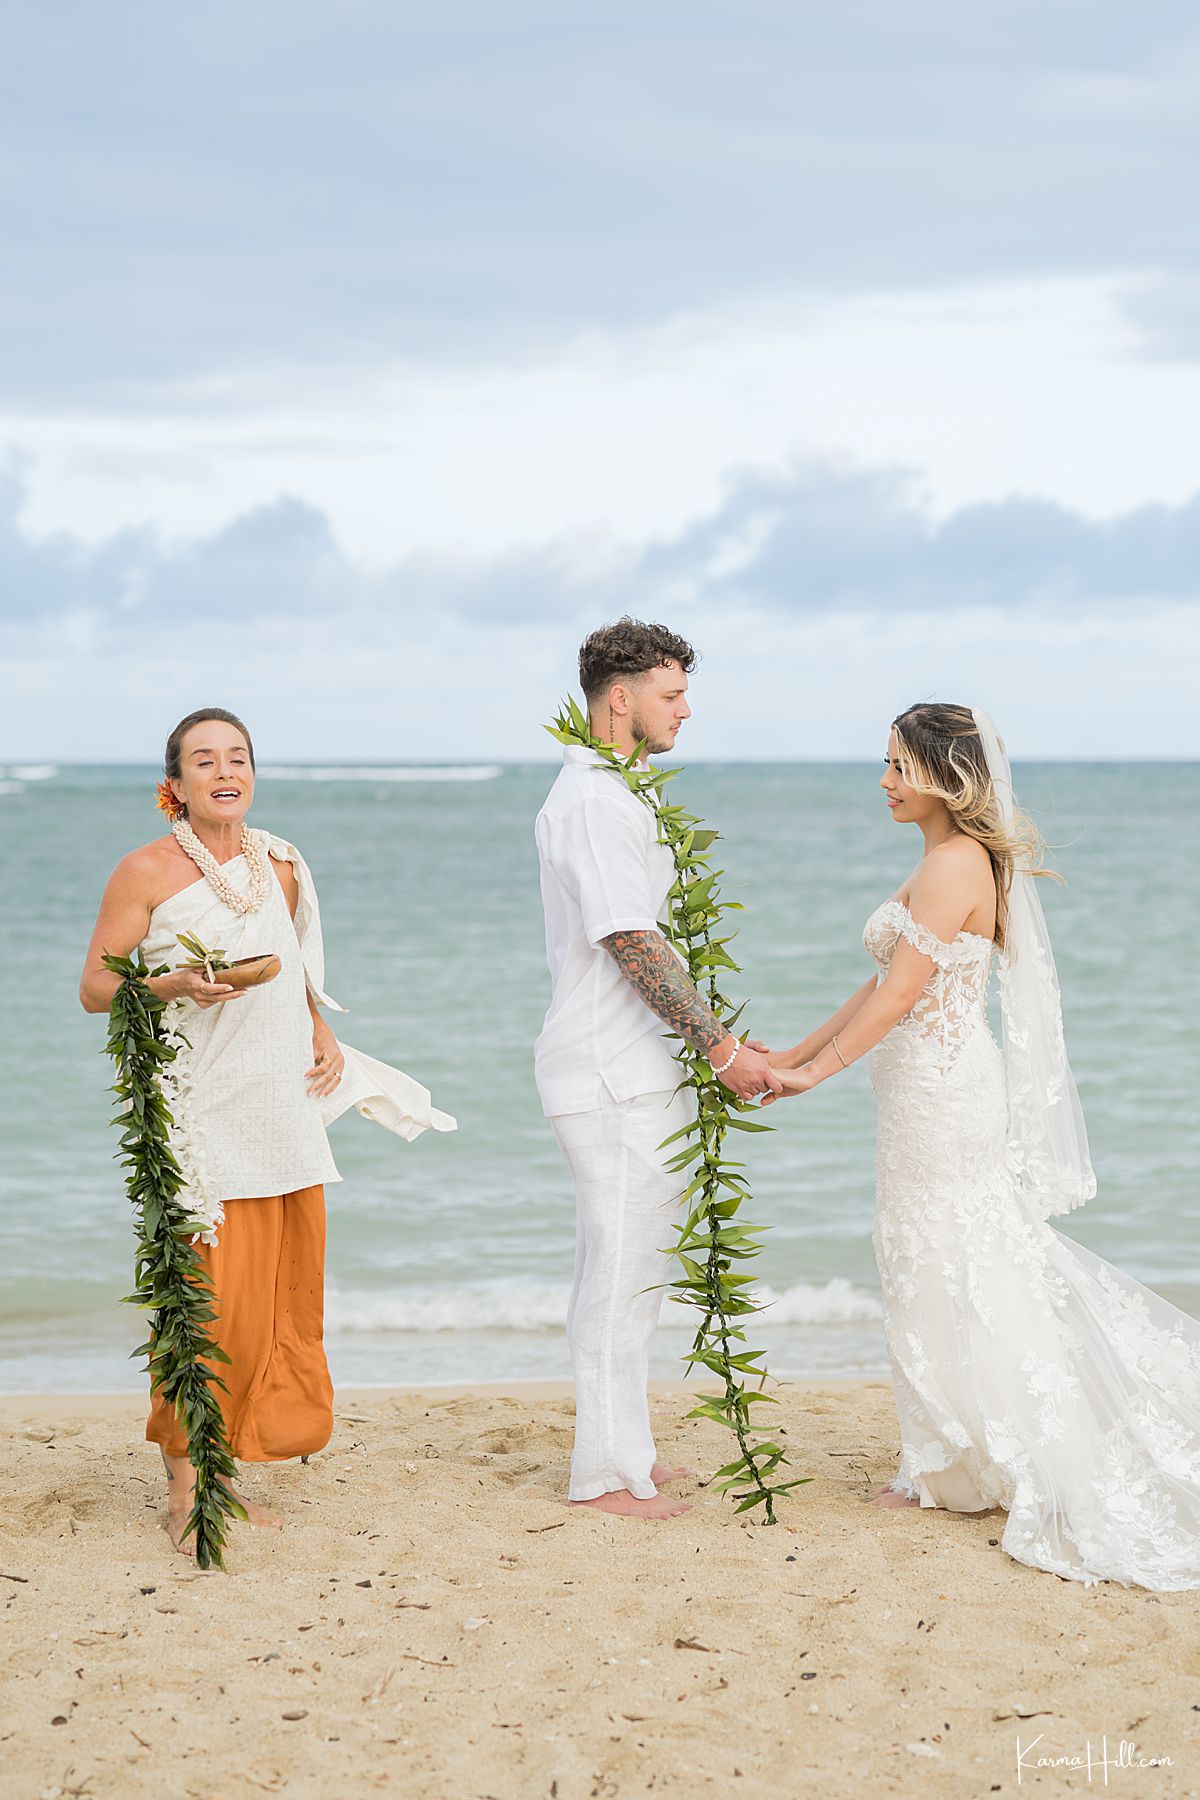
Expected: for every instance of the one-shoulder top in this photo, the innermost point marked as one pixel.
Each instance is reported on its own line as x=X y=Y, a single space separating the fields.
x=244 y=1123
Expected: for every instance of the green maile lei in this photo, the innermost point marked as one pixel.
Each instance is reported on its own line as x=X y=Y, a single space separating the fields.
x=170 y=1280
x=712 y=1243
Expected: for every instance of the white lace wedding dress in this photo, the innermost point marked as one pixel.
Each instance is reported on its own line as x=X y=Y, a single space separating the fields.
x=1029 y=1374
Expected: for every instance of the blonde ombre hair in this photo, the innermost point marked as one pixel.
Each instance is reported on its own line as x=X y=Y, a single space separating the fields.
x=941 y=753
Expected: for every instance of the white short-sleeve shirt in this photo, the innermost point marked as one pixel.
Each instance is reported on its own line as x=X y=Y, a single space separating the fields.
x=603 y=870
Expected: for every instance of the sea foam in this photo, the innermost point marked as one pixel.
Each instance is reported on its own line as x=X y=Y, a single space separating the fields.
x=542 y=1306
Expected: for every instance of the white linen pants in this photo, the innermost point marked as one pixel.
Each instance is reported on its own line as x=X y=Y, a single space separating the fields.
x=626 y=1211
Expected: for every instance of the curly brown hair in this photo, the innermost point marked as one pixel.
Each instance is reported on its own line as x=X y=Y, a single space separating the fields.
x=630 y=647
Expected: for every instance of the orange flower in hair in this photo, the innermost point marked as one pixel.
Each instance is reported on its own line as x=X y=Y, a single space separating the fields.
x=168 y=801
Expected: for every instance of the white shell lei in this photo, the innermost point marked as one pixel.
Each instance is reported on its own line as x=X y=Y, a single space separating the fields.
x=210 y=868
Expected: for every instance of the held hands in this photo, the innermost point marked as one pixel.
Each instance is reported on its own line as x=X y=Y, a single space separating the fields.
x=795 y=1081
x=328 y=1062
x=749 y=1075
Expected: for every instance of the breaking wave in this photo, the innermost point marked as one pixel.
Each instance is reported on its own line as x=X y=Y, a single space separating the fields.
x=542 y=1306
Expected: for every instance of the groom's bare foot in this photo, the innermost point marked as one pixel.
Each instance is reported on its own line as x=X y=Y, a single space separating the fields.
x=888 y=1500
x=660 y=1473
x=626 y=1506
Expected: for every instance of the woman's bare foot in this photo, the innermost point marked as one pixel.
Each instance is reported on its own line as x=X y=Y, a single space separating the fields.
x=660 y=1473
x=257 y=1515
x=181 y=1497
x=888 y=1500
x=626 y=1506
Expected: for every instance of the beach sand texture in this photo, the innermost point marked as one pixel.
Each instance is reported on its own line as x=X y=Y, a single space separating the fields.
x=434 y=1621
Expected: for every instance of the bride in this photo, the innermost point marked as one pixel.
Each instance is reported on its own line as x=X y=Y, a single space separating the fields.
x=1029 y=1374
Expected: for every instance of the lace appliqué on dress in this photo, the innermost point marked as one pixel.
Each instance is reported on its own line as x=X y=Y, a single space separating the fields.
x=952 y=1003
x=1048 y=1382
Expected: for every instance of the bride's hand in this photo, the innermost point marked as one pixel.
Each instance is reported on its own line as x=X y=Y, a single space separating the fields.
x=795 y=1081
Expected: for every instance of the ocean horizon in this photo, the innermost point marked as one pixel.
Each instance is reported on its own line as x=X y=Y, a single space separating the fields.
x=449 y=1259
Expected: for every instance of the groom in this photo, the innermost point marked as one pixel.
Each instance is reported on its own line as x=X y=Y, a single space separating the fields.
x=606 y=1074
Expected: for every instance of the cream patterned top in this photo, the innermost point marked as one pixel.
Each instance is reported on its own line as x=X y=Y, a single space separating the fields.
x=245 y=1124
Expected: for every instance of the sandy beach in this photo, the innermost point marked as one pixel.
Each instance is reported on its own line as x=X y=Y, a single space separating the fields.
x=433 y=1621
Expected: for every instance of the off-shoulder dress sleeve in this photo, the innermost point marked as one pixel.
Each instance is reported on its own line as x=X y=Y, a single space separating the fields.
x=922 y=939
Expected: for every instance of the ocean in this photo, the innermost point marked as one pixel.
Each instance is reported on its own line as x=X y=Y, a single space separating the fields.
x=449 y=1259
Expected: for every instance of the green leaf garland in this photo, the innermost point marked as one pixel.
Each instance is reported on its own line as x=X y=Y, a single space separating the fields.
x=711 y=1242
x=171 y=1281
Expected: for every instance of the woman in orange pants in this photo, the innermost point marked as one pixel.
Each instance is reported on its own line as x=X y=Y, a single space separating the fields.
x=268 y=1269
x=257 y=1077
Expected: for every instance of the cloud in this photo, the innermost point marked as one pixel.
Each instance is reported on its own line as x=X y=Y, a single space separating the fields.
x=624 y=439
x=279 y=560
x=206 y=188
x=821 y=604
x=276 y=561
x=817 y=541
x=384 y=348
x=859 y=543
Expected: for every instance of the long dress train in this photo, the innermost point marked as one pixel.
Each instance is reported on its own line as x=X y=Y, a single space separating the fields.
x=1029 y=1374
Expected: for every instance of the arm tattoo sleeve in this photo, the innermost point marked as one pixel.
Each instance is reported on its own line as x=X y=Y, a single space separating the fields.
x=652 y=969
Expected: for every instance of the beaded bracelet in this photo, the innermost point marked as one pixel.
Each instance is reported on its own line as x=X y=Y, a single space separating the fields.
x=728 y=1060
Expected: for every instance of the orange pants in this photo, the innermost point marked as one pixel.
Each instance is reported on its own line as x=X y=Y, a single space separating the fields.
x=268 y=1277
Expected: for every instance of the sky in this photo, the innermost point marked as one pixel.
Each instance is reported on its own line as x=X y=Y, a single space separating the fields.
x=357 y=359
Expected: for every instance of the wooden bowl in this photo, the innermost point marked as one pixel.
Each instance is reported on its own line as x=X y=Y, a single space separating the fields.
x=249 y=971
